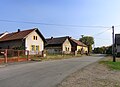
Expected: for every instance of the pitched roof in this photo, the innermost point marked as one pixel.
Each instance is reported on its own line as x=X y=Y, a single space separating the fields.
x=78 y=42
x=1 y=34
x=56 y=41
x=19 y=35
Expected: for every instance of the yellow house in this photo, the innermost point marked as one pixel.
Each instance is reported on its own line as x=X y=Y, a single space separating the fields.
x=78 y=46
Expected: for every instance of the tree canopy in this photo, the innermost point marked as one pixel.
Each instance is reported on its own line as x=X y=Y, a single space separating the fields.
x=89 y=41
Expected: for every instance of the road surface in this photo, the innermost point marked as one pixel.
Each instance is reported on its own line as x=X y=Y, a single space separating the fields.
x=42 y=74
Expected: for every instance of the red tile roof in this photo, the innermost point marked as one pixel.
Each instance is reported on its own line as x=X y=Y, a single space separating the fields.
x=79 y=42
x=16 y=35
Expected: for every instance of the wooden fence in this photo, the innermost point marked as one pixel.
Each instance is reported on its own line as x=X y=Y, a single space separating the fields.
x=10 y=55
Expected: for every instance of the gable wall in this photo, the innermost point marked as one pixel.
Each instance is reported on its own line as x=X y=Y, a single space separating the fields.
x=65 y=45
x=30 y=41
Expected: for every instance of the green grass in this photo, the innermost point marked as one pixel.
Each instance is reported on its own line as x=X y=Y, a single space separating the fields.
x=111 y=65
x=53 y=57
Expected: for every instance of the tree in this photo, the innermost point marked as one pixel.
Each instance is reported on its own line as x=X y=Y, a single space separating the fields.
x=100 y=50
x=109 y=50
x=89 y=41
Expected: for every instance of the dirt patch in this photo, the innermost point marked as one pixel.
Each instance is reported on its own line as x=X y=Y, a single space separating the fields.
x=94 y=75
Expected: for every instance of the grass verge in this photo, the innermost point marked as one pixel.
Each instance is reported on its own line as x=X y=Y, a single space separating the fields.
x=111 y=65
x=52 y=57
x=108 y=61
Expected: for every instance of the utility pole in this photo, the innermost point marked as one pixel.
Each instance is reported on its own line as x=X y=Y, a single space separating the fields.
x=113 y=46
x=82 y=45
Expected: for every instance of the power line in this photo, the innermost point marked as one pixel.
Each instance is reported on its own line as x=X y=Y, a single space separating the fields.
x=61 y=25
x=117 y=26
x=101 y=32
x=52 y=24
x=102 y=38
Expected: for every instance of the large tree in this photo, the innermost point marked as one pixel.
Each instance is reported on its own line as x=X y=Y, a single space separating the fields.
x=89 y=41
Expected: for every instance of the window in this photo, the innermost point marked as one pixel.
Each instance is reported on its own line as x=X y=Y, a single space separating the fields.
x=33 y=47
x=36 y=37
x=37 y=48
x=66 y=48
x=55 y=50
x=33 y=37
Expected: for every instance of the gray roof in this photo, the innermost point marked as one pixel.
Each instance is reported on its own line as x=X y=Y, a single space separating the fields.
x=56 y=41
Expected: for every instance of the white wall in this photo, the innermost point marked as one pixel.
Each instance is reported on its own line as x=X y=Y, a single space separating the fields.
x=66 y=44
x=29 y=41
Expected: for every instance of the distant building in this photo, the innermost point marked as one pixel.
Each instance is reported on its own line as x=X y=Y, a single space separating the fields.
x=78 y=46
x=117 y=42
x=58 y=45
x=31 y=40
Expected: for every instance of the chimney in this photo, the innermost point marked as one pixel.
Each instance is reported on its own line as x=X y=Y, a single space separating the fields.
x=18 y=30
x=51 y=37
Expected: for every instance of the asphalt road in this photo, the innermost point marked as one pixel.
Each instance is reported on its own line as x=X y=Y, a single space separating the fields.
x=42 y=74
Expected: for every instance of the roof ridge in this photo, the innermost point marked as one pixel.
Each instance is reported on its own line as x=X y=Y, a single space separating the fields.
x=22 y=31
x=77 y=41
x=59 y=37
x=17 y=35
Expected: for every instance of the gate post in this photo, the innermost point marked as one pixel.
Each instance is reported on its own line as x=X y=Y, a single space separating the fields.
x=18 y=55
x=27 y=55
x=5 y=54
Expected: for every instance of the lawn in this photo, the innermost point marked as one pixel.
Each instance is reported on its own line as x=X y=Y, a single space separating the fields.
x=110 y=64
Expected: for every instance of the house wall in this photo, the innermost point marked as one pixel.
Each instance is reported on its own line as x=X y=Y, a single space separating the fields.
x=79 y=48
x=74 y=48
x=11 y=44
x=85 y=49
x=66 y=47
x=118 y=48
x=52 y=50
x=30 y=41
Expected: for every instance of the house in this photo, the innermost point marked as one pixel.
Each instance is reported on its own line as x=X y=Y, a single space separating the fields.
x=31 y=40
x=117 y=42
x=78 y=46
x=58 y=45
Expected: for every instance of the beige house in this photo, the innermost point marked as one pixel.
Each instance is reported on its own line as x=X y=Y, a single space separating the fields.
x=31 y=40
x=58 y=45
x=78 y=46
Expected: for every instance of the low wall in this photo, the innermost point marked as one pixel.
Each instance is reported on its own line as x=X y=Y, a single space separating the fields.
x=10 y=60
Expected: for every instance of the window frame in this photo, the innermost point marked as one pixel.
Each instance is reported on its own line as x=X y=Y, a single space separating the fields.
x=37 y=48
x=32 y=47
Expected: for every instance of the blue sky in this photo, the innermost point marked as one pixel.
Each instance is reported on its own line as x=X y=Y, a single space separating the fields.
x=66 y=12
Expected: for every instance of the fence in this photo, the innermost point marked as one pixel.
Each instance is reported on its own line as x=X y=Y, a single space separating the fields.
x=10 y=55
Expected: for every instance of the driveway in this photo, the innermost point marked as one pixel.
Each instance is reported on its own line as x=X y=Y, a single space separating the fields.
x=42 y=74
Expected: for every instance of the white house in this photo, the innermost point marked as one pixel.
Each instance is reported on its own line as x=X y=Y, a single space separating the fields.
x=31 y=40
